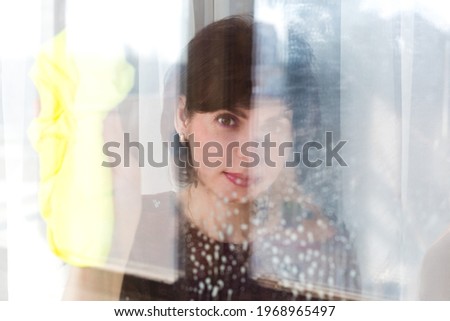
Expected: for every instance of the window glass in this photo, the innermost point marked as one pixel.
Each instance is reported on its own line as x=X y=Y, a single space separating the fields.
x=3 y=255
x=224 y=150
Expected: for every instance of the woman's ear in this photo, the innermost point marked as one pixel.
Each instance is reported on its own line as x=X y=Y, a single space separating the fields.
x=181 y=118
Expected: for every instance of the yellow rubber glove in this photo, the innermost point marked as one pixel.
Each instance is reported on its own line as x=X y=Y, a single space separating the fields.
x=76 y=194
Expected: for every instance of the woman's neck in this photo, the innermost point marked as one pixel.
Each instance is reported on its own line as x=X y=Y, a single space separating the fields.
x=216 y=217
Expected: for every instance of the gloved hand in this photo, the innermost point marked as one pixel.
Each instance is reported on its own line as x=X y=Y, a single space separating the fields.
x=76 y=195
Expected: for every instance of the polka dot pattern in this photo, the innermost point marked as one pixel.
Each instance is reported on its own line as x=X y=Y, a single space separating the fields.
x=213 y=270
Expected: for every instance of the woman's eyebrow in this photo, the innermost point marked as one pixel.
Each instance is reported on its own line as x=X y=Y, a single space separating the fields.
x=274 y=118
x=284 y=112
x=239 y=112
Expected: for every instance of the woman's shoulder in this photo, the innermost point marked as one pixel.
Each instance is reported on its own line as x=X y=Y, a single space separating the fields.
x=154 y=250
x=158 y=211
x=156 y=203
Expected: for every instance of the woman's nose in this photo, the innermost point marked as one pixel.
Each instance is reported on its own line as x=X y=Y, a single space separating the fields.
x=250 y=149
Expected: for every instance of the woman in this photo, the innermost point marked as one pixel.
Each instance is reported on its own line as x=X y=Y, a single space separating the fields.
x=241 y=222
x=227 y=225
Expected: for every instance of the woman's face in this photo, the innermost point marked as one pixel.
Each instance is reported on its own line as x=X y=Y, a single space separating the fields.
x=237 y=153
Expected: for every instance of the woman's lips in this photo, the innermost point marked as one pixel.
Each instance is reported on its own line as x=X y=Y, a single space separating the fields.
x=241 y=180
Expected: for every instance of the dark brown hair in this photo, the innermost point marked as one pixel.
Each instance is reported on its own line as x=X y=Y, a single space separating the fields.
x=219 y=71
x=218 y=74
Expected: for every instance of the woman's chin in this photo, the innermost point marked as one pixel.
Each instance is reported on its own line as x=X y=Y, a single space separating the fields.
x=230 y=193
x=243 y=196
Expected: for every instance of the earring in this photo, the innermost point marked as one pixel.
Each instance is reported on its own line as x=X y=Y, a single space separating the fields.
x=182 y=137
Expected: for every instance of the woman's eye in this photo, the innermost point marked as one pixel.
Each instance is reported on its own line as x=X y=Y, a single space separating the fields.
x=227 y=120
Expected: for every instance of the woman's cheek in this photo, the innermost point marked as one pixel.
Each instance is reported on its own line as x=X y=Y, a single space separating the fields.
x=210 y=152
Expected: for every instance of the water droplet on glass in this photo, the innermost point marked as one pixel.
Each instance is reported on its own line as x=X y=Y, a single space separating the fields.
x=230 y=229
x=287 y=259
x=230 y=293
x=215 y=290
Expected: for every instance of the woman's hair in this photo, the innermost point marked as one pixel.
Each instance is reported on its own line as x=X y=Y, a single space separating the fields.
x=222 y=70
x=218 y=72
